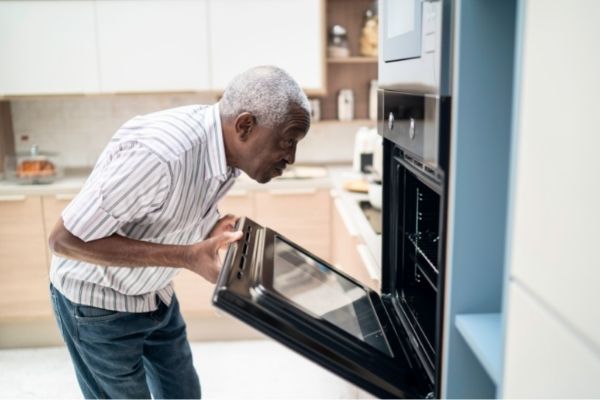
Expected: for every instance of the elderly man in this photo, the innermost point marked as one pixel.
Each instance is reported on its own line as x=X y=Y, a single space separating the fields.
x=148 y=209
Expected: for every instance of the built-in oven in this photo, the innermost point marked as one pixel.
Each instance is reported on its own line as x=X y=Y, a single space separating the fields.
x=388 y=343
x=416 y=130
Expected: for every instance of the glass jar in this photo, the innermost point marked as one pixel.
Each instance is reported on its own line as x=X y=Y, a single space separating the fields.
x=33 y=167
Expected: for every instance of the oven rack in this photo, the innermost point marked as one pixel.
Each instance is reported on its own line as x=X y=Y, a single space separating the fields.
x=411 y=238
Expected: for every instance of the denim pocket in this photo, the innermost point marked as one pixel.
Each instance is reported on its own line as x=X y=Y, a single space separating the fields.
x=88 y=314
x=56 y=310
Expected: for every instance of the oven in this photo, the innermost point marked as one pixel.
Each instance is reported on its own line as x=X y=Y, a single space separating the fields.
x=414 y=213
x=389 y=343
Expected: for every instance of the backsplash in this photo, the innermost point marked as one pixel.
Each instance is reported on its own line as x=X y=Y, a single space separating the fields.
x=79 y=127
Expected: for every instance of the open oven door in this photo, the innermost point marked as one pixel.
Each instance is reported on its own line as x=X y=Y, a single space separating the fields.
x=291 y=295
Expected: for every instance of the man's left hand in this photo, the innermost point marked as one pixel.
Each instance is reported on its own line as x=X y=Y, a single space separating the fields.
x=225 y=224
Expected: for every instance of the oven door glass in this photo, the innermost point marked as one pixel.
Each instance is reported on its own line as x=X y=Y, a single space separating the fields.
x=401 y=29
x=294 y=297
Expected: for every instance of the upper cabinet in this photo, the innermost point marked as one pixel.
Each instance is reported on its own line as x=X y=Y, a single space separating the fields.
x=124 y=46
x=156 y=45
x=288 y=34
x=47 y=47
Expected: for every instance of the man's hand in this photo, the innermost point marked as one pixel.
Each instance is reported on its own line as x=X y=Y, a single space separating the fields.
x=203 y=258
x=225 y=224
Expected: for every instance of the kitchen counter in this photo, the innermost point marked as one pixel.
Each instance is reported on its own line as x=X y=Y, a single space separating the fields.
x=329 y=177
x=73 y=181
x=355 y=219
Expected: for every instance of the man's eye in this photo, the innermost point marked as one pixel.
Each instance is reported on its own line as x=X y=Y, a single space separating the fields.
x=290 y=143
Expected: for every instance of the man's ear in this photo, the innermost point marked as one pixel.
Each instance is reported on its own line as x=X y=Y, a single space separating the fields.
x=244 y=124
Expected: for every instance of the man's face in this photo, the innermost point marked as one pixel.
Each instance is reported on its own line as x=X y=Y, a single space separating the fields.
x=268 y=151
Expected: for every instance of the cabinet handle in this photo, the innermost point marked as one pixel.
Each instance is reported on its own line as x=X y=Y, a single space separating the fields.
x=65 y=196
x=16 y=197
x=339 y=206
x=287 y=192
x=367 y=259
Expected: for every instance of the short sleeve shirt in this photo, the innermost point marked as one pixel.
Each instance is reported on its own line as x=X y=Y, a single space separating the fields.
x=159 y=180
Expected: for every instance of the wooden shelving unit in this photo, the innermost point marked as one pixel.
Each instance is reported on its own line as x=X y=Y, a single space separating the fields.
x=354 y=72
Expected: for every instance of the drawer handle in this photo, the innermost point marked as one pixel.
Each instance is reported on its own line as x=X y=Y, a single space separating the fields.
x=286 y=192
x=65 y=196
x=16 y=197
x=367 y=259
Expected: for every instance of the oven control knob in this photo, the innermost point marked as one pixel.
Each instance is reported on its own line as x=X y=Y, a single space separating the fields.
x=411 y=128
x=391 y=121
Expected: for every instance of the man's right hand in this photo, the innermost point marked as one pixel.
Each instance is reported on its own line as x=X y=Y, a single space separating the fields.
x=203 y=258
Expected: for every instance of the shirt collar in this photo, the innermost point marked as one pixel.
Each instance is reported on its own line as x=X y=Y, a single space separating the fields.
x=216 y=163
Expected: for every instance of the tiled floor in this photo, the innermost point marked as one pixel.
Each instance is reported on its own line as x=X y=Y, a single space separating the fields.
x=246 y=369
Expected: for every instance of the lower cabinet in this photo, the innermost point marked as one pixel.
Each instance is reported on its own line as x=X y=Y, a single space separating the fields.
x=23 y=259
x=193 y=291
x=346 y=246
x=26 y=317
x=302 y=215
x=52 y=206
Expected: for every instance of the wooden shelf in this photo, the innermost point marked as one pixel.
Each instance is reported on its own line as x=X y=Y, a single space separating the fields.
x=482 y=332
x=353 y=60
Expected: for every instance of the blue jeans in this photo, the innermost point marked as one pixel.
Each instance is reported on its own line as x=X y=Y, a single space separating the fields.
x=128 y=355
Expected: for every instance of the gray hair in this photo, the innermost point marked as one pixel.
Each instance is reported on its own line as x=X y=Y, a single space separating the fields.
x=267 y=92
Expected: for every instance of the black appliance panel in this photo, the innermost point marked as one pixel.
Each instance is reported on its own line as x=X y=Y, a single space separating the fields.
x=300 y=300
x=419 y=124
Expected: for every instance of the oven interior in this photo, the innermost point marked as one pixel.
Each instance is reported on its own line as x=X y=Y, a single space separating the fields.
x=415 y=246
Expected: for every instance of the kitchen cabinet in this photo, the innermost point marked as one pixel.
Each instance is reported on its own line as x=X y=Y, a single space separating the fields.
x=547 y=358
x=24 y=285
x=52 y=207
x=346 y=246
x=302 y=215
x=47 y=47
x=193 y=291
x=124 y=46
x=288 y=34
x=147 y=46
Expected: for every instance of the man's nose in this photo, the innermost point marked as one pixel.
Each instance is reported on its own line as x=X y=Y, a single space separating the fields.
x=291 y=156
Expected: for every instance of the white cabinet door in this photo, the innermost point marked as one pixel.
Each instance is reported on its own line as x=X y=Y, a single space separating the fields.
x=545 y=358
x=283 y=33
x=47 y=47
x=554 y=244
x=153 y=45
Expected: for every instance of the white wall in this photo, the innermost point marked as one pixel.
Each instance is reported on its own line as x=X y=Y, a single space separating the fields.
x=552 y=346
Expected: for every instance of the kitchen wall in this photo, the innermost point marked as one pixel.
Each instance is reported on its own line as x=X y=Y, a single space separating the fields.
x=78 y=127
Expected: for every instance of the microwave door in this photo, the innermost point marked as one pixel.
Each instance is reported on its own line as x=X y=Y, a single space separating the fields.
x=289 y=294
x=401 y=29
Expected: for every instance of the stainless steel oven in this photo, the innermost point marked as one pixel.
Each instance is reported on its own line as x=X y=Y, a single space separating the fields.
x=388 y=343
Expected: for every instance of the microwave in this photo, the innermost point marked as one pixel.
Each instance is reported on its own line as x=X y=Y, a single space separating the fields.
x=416 y=46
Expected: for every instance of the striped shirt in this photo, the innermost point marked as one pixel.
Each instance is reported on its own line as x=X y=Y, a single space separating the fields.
x=158 y=180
